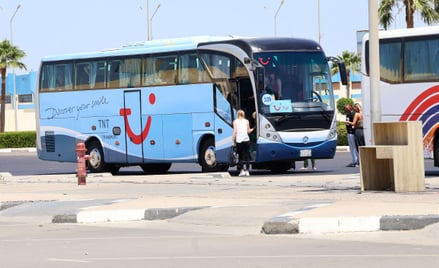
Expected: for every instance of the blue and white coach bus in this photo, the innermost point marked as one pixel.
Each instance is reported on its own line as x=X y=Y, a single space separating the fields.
x=159 y=102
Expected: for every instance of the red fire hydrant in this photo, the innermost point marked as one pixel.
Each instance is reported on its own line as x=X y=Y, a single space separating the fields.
x=82 y=157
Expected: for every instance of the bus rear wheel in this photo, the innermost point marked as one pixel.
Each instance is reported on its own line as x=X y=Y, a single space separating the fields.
x=207 y=157
x=96 y=163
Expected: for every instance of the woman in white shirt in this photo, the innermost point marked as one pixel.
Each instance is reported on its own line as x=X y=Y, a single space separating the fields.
x=240 y=139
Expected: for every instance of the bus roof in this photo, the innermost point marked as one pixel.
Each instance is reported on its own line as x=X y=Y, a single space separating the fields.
x=250 y=45
x=406 y=32
x=144 y=47
x=256 y=44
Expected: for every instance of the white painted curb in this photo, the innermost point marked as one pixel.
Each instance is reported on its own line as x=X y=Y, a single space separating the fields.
x=92 y=216
x=339 y=224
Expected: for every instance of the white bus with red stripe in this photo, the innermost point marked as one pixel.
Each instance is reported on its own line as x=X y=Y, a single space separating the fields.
x=409 y=82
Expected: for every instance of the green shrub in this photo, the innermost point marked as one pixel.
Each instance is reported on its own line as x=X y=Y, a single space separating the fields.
x=342 y=135
x=18 y=139
x=341 y=104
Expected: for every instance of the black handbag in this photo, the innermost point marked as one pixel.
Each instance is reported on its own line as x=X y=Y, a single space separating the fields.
x=233 y=157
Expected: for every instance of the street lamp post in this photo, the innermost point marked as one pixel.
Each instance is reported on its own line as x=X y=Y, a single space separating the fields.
x=374 y=59
x=13 y=73
x=275 y=17
x=149 y=19
x=318 y=22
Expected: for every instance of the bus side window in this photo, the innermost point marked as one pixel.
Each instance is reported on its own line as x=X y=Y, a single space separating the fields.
x=167 y=74
x=82 y=76
x=47 y=78
x=100 y=74
x=183 y=69
x=161 y=70
x=129 y=72
x=188 y=71
x=113 y=74
x=63 y=77
x=90 y=75
x=148 y=71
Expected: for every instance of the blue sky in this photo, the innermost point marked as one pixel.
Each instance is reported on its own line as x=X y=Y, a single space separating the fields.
x=51 y=27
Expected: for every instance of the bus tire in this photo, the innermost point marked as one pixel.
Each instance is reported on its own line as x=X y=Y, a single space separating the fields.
x=156 y=168
x=207 y=158
x=96 y=163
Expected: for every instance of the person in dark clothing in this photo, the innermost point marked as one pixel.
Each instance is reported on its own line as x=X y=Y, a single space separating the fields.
x=350 y=114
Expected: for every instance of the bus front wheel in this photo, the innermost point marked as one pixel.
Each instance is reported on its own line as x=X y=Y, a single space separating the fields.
x=95 y=161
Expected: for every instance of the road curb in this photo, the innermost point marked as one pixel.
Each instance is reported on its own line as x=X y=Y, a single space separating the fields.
x=402 y=223
x=12 y=150
x=286 y=225
x=114 y=215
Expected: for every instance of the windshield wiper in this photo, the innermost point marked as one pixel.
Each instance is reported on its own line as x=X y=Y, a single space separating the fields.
x=325 y=114
x=285 y=117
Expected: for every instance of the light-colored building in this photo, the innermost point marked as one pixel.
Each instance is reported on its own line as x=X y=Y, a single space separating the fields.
x=24 y=113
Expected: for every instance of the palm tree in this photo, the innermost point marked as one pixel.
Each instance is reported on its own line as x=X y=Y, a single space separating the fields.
x=352 y=61
x=428 y=10
x=10 y=56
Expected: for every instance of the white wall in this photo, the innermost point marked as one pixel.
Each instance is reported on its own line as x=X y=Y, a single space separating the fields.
x=25 y=118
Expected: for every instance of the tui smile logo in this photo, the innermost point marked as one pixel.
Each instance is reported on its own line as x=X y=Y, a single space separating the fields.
x=137 y=138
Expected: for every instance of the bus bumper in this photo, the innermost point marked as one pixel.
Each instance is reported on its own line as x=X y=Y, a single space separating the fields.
x=267 y=152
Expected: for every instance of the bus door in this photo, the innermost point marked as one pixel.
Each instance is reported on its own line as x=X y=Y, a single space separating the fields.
x=246 y=99
x=225 y=113
x=246 y=102
x=134 y=136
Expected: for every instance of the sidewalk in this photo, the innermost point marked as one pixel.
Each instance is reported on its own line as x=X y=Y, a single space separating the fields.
x=334 y=203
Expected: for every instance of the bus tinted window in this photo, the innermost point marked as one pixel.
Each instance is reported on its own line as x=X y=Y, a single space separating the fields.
x=57 y=77
x=124 y=73
x=218 y=65
x=90 y=75
x=421 y=59
x=128 y=72
x=166 y=70
x=390 y=55
x=160 y=70
x=408 y=59
x=190 y=70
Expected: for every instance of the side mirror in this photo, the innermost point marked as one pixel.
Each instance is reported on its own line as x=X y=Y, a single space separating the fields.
x=341 y=69
x=343 y=74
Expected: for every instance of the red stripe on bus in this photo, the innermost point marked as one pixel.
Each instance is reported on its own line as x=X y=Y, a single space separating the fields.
x=415 y=109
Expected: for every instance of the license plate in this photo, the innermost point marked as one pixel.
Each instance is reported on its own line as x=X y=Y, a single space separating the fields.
x=305 y=153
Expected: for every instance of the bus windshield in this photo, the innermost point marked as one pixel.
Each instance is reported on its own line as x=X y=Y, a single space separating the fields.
x=295 y=82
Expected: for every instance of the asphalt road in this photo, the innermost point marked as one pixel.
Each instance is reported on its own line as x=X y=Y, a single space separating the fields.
x=24 y=163
x=227 y=238
x=167 y=244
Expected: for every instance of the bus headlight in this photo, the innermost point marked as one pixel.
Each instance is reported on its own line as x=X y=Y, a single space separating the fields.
x=268 y=131
x=332 y=131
